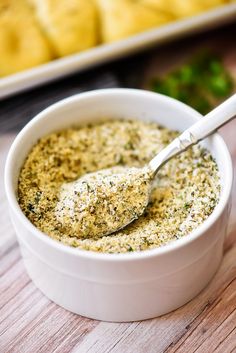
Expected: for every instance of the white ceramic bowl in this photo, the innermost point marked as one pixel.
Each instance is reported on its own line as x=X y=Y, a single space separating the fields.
x=119 y=287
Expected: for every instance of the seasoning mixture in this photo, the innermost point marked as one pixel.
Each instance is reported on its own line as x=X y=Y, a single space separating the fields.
x=103 y=202
x=185 y=191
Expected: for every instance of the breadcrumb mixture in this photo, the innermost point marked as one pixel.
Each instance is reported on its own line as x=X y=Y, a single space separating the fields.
x=103 y=202
x=185 y=192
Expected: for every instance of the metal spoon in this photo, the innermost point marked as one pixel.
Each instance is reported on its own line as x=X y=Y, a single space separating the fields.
x=206 y=126
x=115 y=203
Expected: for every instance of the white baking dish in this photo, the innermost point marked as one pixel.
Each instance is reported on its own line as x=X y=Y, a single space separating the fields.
x=103 y=53
x=119 y=287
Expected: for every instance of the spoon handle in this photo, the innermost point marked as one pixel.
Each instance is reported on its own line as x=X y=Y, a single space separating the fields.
x=197 y=132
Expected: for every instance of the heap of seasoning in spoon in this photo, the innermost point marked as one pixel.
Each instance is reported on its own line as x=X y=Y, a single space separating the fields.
x=103 y=202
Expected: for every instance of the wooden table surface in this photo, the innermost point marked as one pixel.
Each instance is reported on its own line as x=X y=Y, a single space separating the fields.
x=30 y=323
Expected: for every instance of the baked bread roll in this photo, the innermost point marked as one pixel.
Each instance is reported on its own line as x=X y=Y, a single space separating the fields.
x=71 y=25
x=22 y=44
x=122 y=18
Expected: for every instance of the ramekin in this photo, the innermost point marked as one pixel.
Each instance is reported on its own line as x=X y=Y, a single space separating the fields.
x=119 y=287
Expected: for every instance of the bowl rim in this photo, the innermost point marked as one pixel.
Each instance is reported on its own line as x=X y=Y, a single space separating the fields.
x=116 y=257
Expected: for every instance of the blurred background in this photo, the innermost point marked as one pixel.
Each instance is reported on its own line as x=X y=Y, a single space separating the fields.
x=184 y=49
